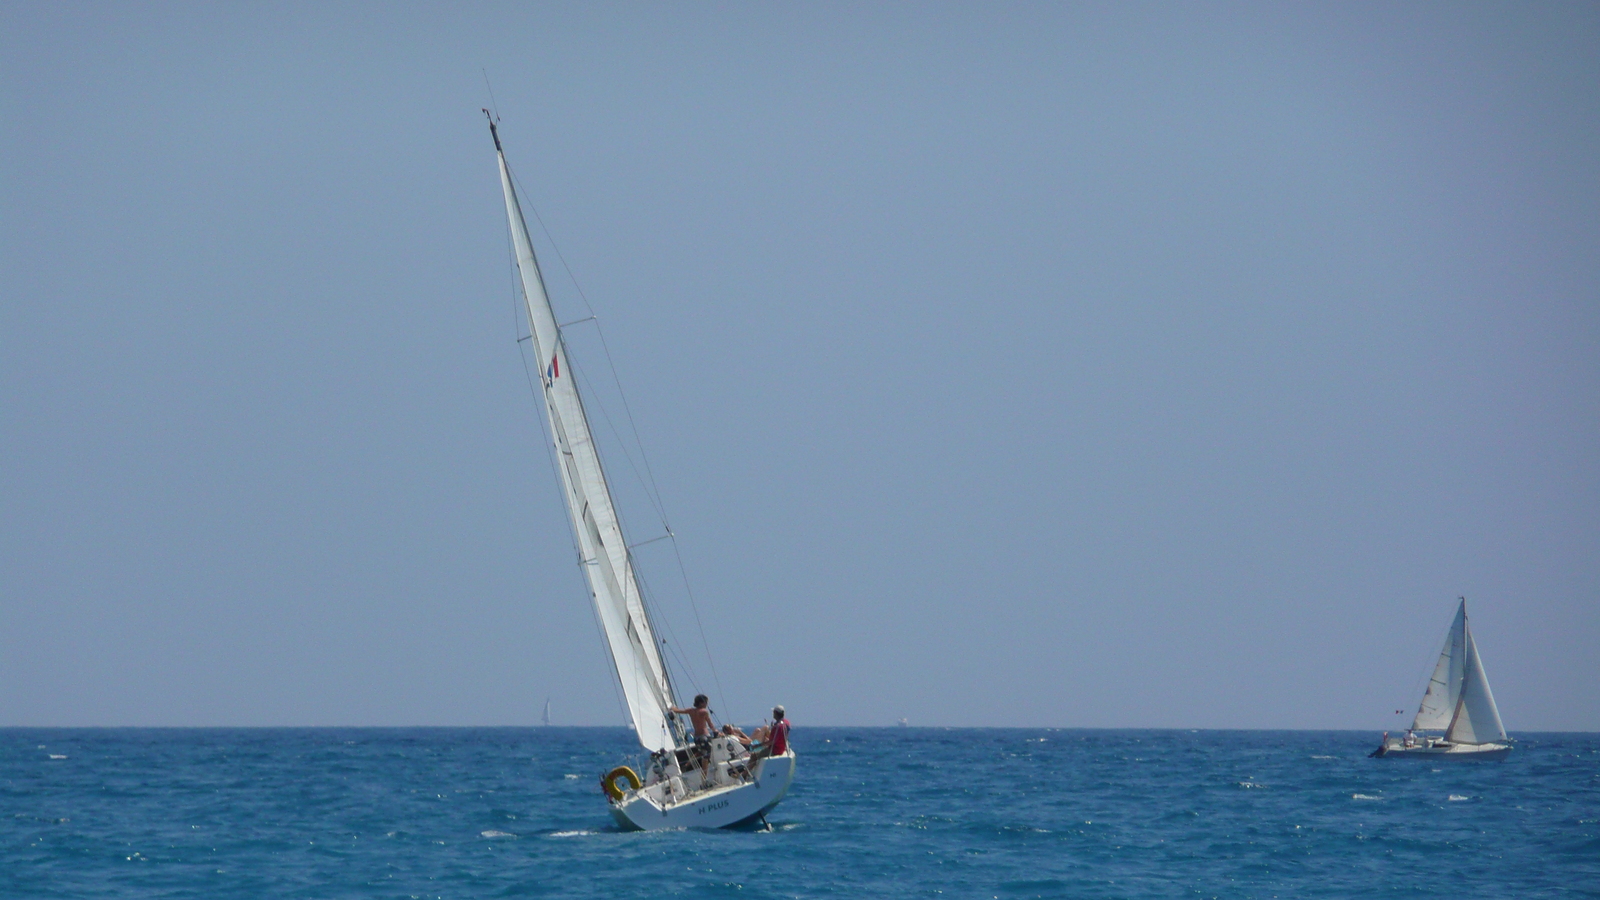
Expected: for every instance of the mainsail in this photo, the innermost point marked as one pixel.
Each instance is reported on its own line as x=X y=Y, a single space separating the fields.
x=605 y=557
x=1444 y=688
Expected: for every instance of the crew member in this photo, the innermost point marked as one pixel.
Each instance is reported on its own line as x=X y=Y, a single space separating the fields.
x=778 y=734
x=700 y=715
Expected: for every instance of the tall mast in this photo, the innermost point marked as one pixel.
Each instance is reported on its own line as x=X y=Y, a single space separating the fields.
x=603 y=551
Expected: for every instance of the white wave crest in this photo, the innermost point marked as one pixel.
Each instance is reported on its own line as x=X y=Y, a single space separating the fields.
x=1459 y=797
x=571 y=833
x=58 y=756
x=491 y=833
x=1364 y=797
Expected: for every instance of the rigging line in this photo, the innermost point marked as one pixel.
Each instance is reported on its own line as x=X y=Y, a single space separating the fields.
x=653 y=490
x=645 y=593
x=654 y=494
x=577 y=550
x=550 y=456
x=492 y=105
x=628 y=410
x=578 y=372
x=662 y=623
x=672 y=646
x=610 y=362
x=695 y=607
x=557 y=247
x=632 y=547
x=644 y=603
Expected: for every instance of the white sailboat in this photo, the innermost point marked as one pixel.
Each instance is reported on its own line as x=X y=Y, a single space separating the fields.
x=685 y=785
x=546 y=718
x=1458 y=703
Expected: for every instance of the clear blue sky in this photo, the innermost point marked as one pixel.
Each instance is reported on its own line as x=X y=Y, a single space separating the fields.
x=999 y=364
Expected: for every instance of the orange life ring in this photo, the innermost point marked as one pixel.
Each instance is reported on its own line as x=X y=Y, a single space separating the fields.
x=609 y=782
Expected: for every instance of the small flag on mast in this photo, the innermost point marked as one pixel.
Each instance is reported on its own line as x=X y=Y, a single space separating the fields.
x=553 y=371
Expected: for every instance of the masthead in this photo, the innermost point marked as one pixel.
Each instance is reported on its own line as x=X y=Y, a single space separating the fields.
x=492 y=131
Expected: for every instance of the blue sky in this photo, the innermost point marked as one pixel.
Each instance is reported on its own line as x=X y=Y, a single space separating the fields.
x=1070 y=365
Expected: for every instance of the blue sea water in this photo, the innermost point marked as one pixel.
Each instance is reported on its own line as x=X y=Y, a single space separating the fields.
x=896 y=812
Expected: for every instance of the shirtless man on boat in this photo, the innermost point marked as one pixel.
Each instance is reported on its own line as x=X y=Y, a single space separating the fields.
x=700 y=715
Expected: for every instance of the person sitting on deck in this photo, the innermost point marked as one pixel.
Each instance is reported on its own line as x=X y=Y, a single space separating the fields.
x=733 y=731
x=774 y=739
x=779 y=733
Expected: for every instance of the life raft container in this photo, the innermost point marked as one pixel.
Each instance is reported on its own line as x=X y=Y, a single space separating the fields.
x=608 y=783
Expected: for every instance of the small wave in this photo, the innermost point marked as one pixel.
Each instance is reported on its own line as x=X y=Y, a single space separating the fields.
x=491 y=833
x=1364 y=797
x=1247 y=785
x=572 y=833
x=58 y=756
x=570 y=777
x=1459 y=797
x=1322 y=757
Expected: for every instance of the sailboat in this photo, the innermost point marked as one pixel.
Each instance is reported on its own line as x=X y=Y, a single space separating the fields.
x=546 y=718
x=1458 y=703
x=715 y=783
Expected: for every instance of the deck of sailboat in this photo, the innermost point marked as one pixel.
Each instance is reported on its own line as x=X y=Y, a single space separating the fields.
x=719 y=806
x=1436 y=750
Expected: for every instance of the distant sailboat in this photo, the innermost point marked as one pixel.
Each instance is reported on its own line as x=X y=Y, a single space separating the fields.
x=712 y=783
x=1457 y=702
x=547 y=710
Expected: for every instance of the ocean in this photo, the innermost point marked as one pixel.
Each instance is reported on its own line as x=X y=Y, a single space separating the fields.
x=882 y=812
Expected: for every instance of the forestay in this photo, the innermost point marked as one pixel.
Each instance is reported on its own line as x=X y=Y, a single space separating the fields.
x=606 y=562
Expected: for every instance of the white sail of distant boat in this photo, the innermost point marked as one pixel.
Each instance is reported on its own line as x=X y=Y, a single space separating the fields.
x=1457 y=702
x=687 y=784
x=547 y=710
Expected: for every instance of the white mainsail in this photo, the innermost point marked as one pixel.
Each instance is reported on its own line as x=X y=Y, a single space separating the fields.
x=1458 y=700
x=1477 y=719
x=605 y=557
x=1444 y=688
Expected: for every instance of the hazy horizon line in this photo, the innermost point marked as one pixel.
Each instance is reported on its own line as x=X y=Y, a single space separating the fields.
x=624 y=728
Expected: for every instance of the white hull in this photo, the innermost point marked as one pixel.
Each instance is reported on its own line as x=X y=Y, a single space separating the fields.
x=720 y=807
x=1395 y=747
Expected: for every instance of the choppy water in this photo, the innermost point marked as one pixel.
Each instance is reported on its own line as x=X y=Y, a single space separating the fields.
x=470 y=812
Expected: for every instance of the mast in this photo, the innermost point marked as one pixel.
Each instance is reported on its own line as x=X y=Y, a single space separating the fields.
x=603 y=552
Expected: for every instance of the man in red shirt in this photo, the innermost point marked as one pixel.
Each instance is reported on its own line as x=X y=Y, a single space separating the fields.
x=779 y=734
